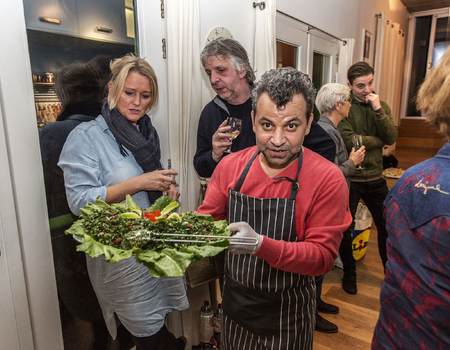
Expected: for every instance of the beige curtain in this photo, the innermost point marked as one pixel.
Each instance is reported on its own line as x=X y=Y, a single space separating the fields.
x=184 y=94
x=345 y=59
x=265 y=38
x=379 y=49
x=389 y=67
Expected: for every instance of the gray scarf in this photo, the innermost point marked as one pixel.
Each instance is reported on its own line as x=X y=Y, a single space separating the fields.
x=142 y=142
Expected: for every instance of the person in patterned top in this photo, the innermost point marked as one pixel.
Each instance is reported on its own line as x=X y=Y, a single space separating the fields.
x=415 y=295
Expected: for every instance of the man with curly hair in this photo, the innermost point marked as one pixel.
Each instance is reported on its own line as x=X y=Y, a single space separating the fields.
x=293 y=204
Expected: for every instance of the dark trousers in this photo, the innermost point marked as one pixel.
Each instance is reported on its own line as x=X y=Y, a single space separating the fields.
x=163 y=340
x=219 y=263
x=373 y=193
x=319 y=282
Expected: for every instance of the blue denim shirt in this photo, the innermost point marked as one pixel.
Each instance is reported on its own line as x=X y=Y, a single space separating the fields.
x=91 y=161
x=423 y=191
x=415 y=295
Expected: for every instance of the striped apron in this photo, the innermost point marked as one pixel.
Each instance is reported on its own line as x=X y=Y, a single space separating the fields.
x=263 y=307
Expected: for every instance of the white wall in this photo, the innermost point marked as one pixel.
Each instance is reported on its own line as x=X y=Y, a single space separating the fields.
x=341 y=18
x=238 y=17
x=152 y=29
x=345 y=18
x=26 y=250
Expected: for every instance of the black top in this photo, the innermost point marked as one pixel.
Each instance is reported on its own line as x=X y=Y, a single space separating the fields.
x=52 y=138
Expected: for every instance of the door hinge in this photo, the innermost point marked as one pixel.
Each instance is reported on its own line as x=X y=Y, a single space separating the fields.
x=162 y=8
x=164 y=48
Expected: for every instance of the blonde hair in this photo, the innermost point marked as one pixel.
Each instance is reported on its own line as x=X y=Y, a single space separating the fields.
x=121 y=68
x=434 y=96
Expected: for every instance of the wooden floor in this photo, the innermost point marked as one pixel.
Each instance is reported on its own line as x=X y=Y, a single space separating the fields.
x=359 y=313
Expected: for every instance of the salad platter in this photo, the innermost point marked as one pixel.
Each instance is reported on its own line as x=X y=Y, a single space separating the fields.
x=162 y=240
x=393 y=173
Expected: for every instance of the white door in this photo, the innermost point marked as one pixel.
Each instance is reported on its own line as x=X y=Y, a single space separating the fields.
x=323 y=53
x=15 y=330
x=29 y=307
x=292 y=43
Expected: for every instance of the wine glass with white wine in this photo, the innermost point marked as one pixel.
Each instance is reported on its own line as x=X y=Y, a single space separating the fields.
x=235 y=130
x=357 y=144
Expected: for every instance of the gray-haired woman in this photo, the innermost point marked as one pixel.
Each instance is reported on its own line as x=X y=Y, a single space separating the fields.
x=333 y=103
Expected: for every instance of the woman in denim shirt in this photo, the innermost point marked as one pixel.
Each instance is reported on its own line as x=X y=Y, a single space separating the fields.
x=117 y=154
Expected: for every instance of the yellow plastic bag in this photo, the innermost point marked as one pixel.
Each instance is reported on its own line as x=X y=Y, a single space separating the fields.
x=363 y=221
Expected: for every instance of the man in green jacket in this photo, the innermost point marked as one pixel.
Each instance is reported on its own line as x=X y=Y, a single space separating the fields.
x=370 y=118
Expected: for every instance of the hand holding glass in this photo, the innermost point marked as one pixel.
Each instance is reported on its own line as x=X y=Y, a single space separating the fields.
x=235 y=130
x=357 y=144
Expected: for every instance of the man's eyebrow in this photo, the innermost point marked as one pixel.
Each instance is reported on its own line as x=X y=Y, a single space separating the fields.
x=264 y=119
x=294 y=119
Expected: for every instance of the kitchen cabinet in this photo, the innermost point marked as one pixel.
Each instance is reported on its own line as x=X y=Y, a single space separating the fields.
x=103 y=20
x=63 y=10
x=94 y=19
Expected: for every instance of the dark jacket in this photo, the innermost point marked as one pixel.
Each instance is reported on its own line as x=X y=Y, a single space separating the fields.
x=70 y=266
x=52 y=138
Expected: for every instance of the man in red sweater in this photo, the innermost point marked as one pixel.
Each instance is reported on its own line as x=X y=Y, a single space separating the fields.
x=294 y=202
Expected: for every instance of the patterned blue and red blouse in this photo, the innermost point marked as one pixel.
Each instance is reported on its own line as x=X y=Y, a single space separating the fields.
x=415 y=295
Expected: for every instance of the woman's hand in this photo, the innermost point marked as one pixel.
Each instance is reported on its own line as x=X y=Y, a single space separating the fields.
x=173 y=192
x=158 y=180
x=357 y=156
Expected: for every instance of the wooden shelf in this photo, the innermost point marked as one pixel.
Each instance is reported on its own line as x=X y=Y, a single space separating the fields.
x=41 y=83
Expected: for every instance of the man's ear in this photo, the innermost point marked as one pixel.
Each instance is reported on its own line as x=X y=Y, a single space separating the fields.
x=242 y=74
x=308 y=127
x=349 y=85
x=253 y=122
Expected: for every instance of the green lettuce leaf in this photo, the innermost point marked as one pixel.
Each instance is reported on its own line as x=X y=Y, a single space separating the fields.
x=98 y=205
x=94 y=249
x=161 y=203
x=77 y=229
x=168 y=262
x=221 y=226
x=172 y=206
x=205 y=250
x=130 y=203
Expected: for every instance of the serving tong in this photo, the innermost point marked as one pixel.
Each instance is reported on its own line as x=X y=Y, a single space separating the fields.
x=251 y=240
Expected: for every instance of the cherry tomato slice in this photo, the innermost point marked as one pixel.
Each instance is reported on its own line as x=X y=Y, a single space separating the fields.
x=151 y=215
